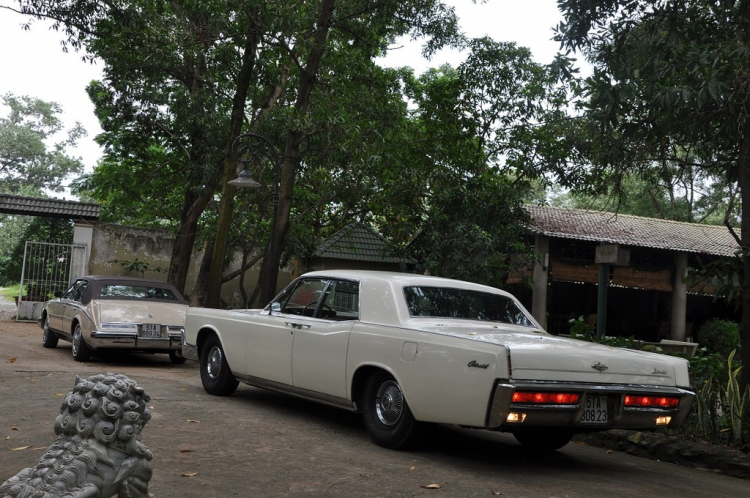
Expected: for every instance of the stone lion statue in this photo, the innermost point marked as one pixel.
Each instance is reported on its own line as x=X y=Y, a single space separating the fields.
x=98 y=451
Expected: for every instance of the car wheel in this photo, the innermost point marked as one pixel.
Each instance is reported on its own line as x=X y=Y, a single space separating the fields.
x=49 y=339
x=81 y=350
x=216 y=376
x=544 y=438
x=388 y=418
x=176 y=358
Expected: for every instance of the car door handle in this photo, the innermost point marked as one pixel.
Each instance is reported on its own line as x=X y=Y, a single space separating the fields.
x=297 y=325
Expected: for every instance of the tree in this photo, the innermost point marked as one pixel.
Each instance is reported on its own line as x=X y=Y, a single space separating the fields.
x=478 y=134
x=25 y=158
x=190 y=77
x=670 y=86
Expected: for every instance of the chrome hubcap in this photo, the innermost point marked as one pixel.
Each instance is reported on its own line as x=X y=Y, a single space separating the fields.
x=389 y=403
x=214 y=362
x=76 y=340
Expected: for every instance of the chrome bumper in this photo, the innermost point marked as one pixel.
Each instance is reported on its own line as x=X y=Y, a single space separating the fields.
x=189 y=351
x=621 y=417
x=131 y=340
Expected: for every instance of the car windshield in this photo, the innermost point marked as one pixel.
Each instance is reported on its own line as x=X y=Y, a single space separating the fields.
x=137 y=292
x=447 y=302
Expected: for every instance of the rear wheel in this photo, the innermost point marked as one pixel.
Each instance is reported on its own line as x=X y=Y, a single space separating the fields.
x=177 y=358
x=544 y=438
x=81 y=350
x=216 y=376
x=49 y=339
x=388 y=418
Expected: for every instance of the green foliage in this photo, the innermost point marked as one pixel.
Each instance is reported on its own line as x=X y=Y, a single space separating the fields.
x=719 y=336
x=721 y=412
x=721 y=277
x=27 y=156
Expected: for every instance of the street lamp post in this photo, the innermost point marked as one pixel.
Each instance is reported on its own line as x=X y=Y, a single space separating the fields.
x=250 y=147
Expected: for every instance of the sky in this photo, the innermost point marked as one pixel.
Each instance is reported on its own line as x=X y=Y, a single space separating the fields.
x=32 y=62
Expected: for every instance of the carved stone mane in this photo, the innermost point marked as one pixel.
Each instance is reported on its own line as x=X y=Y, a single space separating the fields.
x=98 y=451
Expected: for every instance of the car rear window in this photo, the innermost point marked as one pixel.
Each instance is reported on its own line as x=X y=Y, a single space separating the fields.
x=137 y=292
x=447 y=302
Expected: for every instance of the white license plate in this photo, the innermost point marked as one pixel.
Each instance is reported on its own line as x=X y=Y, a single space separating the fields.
x=151 y=330
x=595 y=409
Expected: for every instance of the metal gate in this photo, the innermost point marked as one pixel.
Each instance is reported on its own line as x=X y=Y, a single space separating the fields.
x=47 y=268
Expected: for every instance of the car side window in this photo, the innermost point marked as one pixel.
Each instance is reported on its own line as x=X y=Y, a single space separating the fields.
x=341 y=301
x=304 y=298
x=75 y=292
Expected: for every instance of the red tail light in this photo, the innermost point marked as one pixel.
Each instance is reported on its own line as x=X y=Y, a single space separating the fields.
x=546 y=398
x=652 y=401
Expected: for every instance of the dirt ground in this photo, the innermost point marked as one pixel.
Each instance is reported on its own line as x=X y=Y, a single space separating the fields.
x=260 y=443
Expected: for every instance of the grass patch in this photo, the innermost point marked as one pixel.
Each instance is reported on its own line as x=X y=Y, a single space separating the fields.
x=10 y=292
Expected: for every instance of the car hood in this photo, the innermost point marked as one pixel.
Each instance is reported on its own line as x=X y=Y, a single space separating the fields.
x=112 y=311
x=538 y=356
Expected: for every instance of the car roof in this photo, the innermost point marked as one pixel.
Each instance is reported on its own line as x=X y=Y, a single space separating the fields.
x=402 y=279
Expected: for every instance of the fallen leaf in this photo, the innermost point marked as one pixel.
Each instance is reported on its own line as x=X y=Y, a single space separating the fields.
x=21 y=448
x=151 y=407
x=59 y=394
x=609 y=452
x=14 y=428
x=12 y=360
x=194 y=421
x=189 y=474
x=432 y=486
x=41 y=448
x=187 y=450
x=412 y=468
x=7 y=437
x=496 y=493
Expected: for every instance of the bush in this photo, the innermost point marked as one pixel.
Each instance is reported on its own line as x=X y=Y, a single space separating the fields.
x=719 y=336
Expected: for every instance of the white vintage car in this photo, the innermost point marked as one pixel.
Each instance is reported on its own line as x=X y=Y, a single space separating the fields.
x=404 y=349
x=116 y=313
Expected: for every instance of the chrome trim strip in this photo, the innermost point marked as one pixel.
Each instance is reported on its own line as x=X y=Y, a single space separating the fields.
x=98 y=334
x=189 y=351
x=300 y=393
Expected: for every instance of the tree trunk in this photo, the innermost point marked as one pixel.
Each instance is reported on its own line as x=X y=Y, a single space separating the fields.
x=201 y=283
x=213 y=291
x=182 y=251
x=270 y=269
x=744 y=180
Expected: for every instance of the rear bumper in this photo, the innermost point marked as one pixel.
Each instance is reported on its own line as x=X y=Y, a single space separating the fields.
x=189 y=351
x=620 y=416
x=128 y=340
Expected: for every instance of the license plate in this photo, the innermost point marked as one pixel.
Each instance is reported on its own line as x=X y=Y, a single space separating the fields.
x=151 y=330
x=595 y=409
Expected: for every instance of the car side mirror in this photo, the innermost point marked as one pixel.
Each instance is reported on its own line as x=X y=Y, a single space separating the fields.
x=275 y=307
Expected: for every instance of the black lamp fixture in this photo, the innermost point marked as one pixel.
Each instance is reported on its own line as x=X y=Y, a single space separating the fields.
x=249 y=148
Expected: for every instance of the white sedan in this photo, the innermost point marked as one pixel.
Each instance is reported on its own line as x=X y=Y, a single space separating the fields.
x=116 y=313
x=404 y=349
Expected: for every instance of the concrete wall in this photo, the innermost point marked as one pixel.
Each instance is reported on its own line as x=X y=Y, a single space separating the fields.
x=145 y=252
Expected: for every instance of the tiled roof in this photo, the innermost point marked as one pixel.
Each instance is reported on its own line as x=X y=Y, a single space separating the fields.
x=50 y=208
x=357 y=242
x=630 y=230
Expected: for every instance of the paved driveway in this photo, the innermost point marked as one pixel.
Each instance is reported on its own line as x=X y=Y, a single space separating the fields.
x=259 y=443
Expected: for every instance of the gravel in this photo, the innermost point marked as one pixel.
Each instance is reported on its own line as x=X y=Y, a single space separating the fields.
x=8 y=308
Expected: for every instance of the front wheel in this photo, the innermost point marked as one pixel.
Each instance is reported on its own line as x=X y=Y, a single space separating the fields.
x=543 y=438
x=49 y=339
x=216 y=376
x=81 y=350
x=388 y=418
